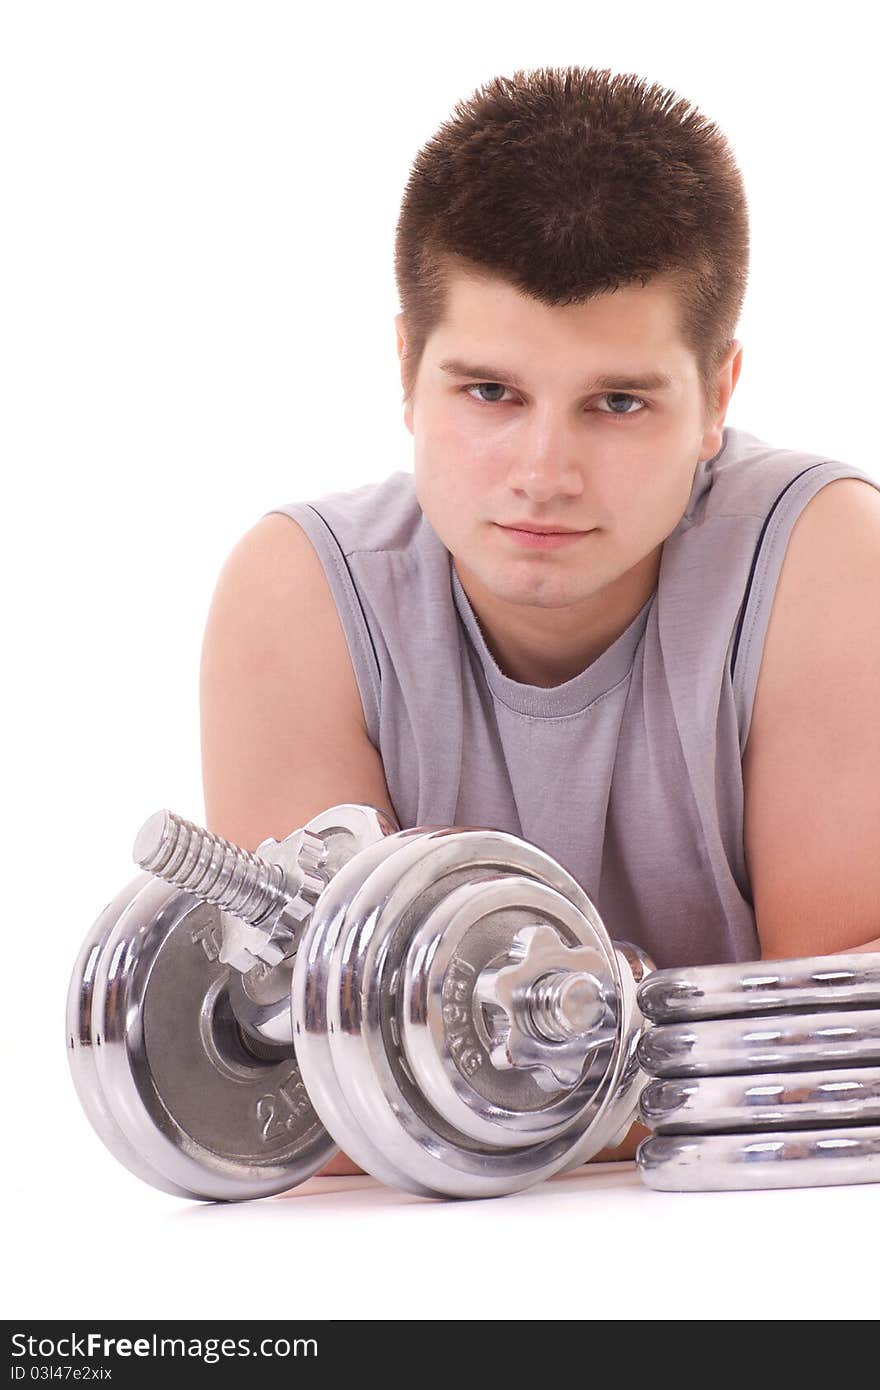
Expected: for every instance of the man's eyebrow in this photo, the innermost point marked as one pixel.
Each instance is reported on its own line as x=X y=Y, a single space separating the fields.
x=640 y=381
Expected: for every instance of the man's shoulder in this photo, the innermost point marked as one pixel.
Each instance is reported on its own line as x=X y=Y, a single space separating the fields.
x=750 y=474
x=377 y=516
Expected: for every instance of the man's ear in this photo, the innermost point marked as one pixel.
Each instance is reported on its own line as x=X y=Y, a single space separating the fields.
x=400 y=326
x=725 y=384
x=736 y=361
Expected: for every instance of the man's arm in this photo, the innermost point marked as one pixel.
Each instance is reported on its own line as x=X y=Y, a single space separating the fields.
x=283 y=735
x=626 y=1150
x=811 y=769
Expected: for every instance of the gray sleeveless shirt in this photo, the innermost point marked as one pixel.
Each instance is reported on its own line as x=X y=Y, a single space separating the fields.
x=630 y=774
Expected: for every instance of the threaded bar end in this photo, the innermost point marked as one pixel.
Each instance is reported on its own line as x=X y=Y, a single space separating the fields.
x=565 y=1004
x=210 y=867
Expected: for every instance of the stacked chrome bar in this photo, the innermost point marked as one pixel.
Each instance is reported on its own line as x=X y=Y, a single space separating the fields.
x=764 y=1074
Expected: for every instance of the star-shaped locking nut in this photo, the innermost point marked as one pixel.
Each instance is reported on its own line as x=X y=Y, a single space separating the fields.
x=273 y=939
x=546 y=1006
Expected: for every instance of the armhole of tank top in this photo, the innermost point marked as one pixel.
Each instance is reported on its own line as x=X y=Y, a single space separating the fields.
x=754 y=612
x=362 y=650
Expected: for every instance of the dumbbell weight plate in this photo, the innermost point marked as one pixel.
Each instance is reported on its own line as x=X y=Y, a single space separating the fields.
x=353 y=1013
x=446 y=1037
x=721 y=1046
x=768 y=1100
x=81 y=1041
x=773 y=1159
x=716 y=991
x=159 y=1059
x=206 y=1117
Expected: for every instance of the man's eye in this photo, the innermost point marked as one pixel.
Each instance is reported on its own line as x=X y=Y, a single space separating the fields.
x=480 y=385
x=622 y=395
x=609 y=395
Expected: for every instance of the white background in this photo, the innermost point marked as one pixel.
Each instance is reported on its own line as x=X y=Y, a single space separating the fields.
x=196 y=326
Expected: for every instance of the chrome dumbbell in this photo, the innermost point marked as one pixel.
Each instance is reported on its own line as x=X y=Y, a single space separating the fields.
x=766 y=1074
x=444 y=1003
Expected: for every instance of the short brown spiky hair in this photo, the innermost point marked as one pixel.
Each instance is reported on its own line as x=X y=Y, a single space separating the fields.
x=570 y=182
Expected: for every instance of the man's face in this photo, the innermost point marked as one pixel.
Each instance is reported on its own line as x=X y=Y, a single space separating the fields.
x=557 y=449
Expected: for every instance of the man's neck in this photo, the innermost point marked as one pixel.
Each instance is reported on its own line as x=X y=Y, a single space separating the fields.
x=546 y=647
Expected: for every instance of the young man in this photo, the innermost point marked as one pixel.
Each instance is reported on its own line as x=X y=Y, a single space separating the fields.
x=676 y=697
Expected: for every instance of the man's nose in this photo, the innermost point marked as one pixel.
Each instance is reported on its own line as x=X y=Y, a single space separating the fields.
x=546 y=460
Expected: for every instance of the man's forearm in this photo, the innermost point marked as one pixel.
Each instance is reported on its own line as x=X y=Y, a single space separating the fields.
x=342 y=1166
x=626 y=1150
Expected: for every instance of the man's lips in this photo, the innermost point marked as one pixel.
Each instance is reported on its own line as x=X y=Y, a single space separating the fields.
x=536 y=529
x=542 y=540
